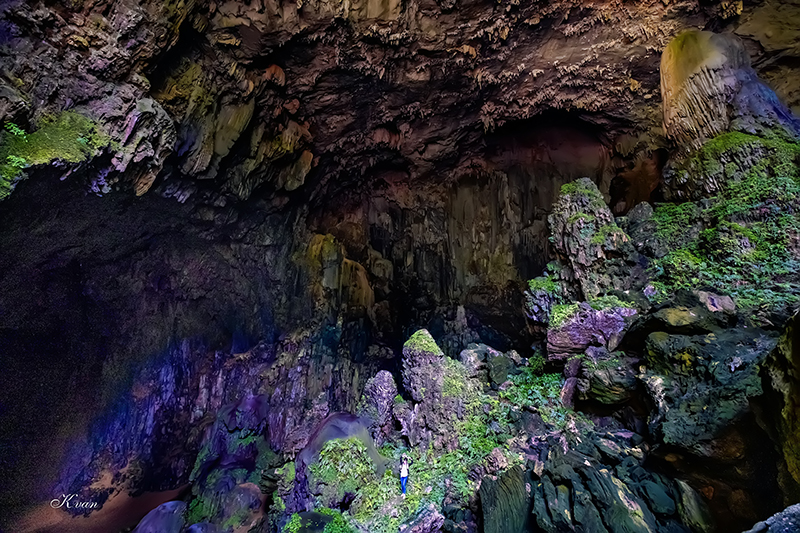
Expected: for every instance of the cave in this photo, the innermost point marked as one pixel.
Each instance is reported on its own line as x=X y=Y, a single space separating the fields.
x=260 y=260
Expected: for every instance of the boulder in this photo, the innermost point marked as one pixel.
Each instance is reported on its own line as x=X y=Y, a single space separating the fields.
x=607 y=378
x=787 y=521
x=693 y=510
x=376 y=405
x=505 y=502
x=430 y=520
x=587 y=238
x=166 y=518
x=475 y=358
x=423 y=367
x=585 y=326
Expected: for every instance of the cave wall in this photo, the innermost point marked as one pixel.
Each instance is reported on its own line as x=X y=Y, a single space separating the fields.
x=427 y=139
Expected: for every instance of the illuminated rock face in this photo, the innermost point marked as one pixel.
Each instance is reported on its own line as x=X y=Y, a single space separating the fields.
x=709 y=87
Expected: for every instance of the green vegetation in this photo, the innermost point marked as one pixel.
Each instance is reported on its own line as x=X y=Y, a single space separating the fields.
x=580 y=216
x=293 y=525
x=338 y=524
x=423 y=342
x=583 y=187
x=68 y=137
x=456 y=383
x=560 y=313
x=608 y=302
x=436 y=474
x=746 y=248
x=344 y=466
x=546 y=284
x=543 y=392
x=199 y=510
x=604 y=232
x=674 y=223
x=536 y=364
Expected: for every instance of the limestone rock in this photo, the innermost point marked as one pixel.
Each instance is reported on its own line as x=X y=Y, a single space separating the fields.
x=693 y=511
x=166 y=518
x=505 y=502
x=376 y=404
x=606 y=377
x=709 y=87
x=586 y=236
x=423 y=367
x=587 y=326
x=429 y=520
x=787 y=521
x=704 y=382
x=476 y=359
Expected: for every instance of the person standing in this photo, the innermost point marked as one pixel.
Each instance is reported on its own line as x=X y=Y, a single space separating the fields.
x=404 y=474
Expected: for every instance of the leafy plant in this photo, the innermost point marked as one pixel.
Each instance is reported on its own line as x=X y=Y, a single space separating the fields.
x=338 y=524
x=293 y=525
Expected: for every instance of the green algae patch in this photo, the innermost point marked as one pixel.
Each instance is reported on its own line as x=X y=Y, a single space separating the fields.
x=560 y=313
x=422 y=341
x=578 y=188
x=68 y=136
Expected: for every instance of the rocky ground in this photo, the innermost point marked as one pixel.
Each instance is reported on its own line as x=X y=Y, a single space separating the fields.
x=252 y=252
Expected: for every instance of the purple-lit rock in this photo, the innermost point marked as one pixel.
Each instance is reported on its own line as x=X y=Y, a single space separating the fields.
x=166 y=518
x=588 y=327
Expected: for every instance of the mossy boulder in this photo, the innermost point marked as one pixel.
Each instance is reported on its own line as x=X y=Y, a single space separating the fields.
x=586 y=237
x=703 y=384
x=342 y=467
x=607 y=378
x=423 y=367
x=578 y=326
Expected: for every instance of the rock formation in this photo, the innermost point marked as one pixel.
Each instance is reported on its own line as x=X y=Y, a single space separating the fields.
x=253 y=252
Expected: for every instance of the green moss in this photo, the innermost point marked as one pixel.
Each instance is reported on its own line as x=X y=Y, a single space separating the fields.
x=434 y=475
x=199 y=510
x=746 y=247
x=546 y=284
x=580 y=188
x=604 y=232
x=674 y=222
x=338 y=524
x=580 y=216
x=68 y=137
x=343 y=466
x=293 y=525
x=287 y=473
x=608 y=302
x=423 y=342
x=455 y=381
x=560 y=313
